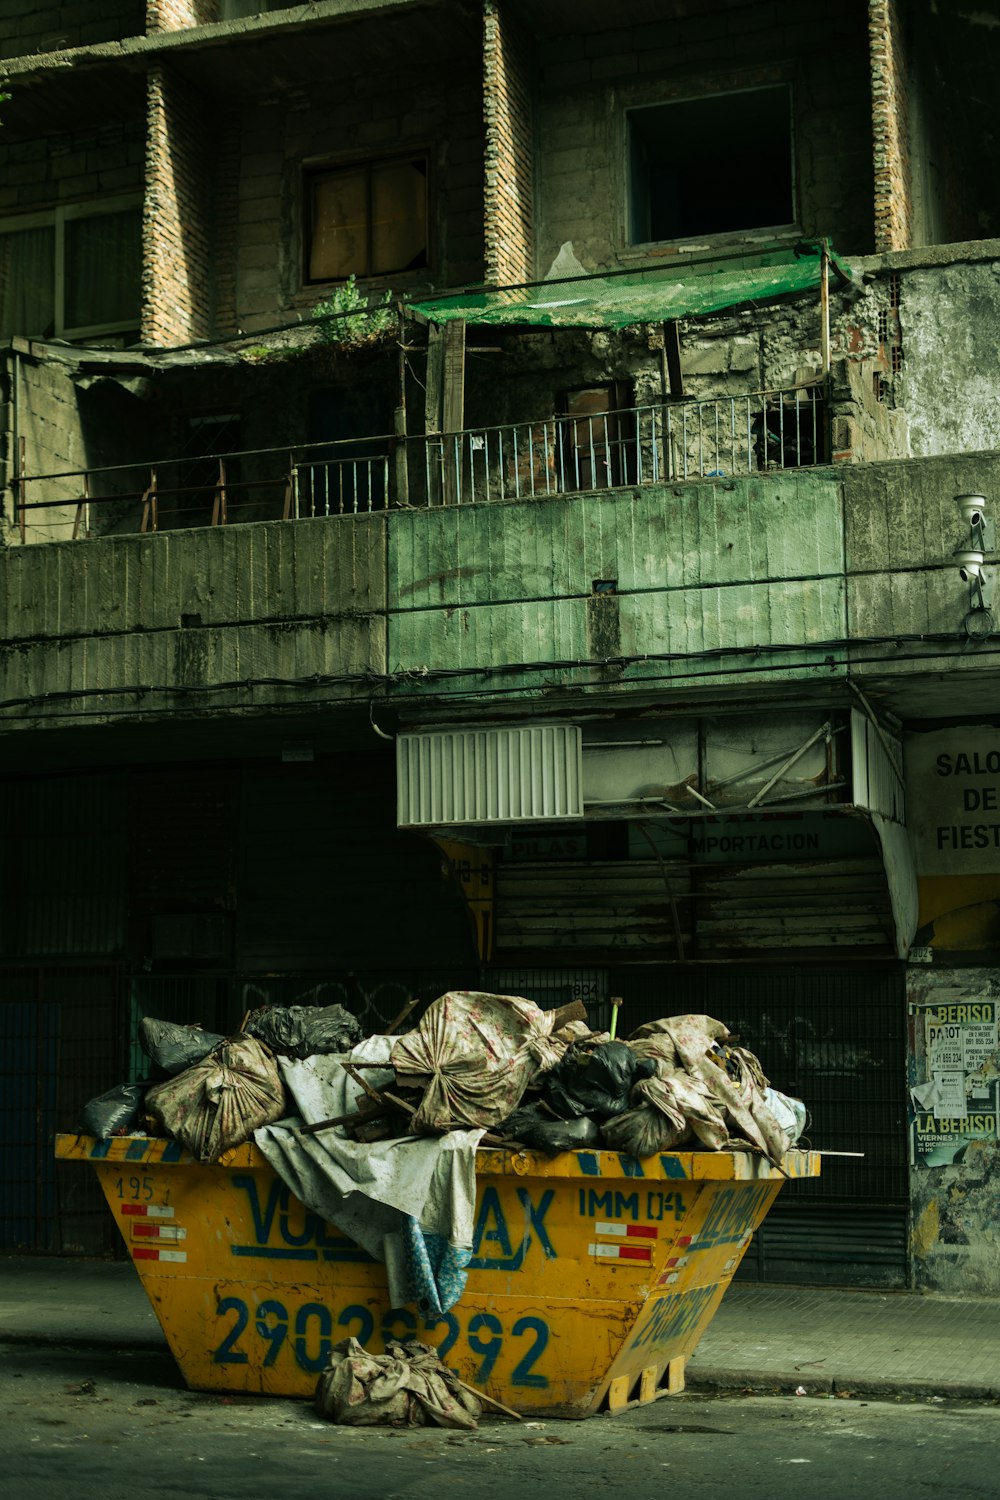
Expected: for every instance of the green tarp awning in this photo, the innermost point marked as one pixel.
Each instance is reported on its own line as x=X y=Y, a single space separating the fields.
x=652 y=296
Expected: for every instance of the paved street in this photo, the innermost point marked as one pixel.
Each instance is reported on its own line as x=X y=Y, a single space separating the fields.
x=106 y=1424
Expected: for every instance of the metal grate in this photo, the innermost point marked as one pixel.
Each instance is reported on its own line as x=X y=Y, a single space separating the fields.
x=833 y=1038
x=62 y=1042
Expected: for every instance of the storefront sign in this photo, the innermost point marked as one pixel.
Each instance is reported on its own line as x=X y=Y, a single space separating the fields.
x=953 y=800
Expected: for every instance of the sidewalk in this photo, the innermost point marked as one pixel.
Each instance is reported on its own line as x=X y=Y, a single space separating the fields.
x=763 y=1338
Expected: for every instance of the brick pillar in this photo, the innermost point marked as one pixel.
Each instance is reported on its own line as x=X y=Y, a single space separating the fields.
x=178 y=15
x=509 y=195
x=176 y=260
x=890 y=127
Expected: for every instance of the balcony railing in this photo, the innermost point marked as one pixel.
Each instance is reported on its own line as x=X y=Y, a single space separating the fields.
x=659 y=444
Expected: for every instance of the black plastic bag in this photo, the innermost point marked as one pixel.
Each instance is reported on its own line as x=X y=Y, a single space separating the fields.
x=534 y=1127
x=175 y=1048
x=594 y=1080
x=304 y=1030
x=113 y=1113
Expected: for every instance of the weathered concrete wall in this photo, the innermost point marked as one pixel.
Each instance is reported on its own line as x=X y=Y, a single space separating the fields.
x=26 y=29
x=950 y=382
x=230 y=618
x=955 y=1234
x=699 y=568
x=587 y=82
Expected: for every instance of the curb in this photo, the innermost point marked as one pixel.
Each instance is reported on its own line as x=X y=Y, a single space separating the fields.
x=880 y=1388
x=85 y=1341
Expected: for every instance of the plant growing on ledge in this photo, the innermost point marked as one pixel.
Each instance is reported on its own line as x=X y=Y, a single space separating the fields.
x=348 y=320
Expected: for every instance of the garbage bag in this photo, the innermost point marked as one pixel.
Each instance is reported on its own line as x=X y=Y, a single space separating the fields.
x=643 y=1131
x=115 y=1113
x=474 y=1055
x=408 y=1386
x=594 y=1080
x=219 y=1102
x=791 y=1114
x=304 y=1030
x=534 y=1127
x=174 y=1048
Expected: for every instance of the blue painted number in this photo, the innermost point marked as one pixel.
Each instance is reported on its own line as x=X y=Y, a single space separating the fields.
x=226 y=1354
x=523 y=1374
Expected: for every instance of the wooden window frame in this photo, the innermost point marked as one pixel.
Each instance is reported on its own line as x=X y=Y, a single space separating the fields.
x=369 y=165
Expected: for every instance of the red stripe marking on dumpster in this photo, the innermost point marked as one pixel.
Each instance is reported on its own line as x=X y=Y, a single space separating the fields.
x=684 y=1239
x=158 y=1232
x=629 y=1231
x=621 y=1252
x=146 y=1252
x=147 y=1210
x=677 y=1260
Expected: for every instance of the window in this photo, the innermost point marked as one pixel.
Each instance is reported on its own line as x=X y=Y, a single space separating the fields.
x=711 y=166
x=71 y=272
x=368 y=219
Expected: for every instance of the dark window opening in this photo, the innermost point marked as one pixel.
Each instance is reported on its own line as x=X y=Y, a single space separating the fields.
x=710 y=166
x=598 y=437
x=792 y=431
x=369 y=219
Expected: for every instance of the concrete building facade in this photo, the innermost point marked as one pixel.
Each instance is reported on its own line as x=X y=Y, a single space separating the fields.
x=480 y=508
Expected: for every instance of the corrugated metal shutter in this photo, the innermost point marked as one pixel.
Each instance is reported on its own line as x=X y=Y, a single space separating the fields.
x=571 y=904
x=503 y=775
x=829 y=904
x=63 y=867
x=328 y=883
x=718 y=911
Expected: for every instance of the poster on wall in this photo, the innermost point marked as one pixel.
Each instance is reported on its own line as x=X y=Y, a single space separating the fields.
x=958 y=1098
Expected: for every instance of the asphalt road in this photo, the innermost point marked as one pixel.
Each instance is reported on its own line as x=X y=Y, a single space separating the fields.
x=106 y=1425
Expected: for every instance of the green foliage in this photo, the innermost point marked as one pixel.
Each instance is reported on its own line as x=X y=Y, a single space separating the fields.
x=368 y=324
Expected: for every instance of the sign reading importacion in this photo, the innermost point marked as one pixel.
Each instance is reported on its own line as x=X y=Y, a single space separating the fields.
x=953 y=797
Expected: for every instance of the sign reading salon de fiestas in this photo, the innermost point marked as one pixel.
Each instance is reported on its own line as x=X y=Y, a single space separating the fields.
x=953 y=800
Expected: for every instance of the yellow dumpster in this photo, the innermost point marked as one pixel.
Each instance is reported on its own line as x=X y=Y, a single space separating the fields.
x=593 y=1274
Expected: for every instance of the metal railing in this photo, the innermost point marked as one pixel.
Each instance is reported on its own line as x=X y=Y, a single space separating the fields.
x=655 y=444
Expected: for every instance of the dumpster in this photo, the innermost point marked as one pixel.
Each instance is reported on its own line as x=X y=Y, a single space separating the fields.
x=593 y=1274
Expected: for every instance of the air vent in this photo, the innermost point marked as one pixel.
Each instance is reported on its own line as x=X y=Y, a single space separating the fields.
x=446 y=778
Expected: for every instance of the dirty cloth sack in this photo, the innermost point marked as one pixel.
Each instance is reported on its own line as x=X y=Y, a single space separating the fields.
x=304 y=1030
x=474 y=1055
x=409 y=1202
x=408 y=1386
x=729 y=1083
x=219 y=1102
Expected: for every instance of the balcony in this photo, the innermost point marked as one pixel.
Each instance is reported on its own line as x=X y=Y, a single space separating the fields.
x=636 y=447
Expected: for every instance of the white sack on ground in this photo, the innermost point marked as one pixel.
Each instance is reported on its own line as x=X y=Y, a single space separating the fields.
x=408 y=1386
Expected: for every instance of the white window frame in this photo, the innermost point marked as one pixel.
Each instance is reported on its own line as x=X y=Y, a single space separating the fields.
x=57 y=218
